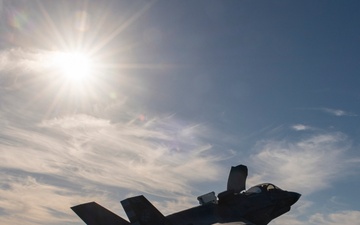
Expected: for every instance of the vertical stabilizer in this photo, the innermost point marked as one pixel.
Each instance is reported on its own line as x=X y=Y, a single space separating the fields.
x=94 y=214
x=237 y=178
x=141 y=212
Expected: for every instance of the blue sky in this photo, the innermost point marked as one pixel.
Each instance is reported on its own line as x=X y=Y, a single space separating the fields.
x=100 y=101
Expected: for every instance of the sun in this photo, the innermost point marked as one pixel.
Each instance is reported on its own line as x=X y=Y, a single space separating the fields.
x=74 y=67
x=73 y=75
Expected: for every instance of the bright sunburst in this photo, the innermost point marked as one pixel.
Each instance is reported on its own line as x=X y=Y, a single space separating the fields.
x=80 y=62
x=75 y=67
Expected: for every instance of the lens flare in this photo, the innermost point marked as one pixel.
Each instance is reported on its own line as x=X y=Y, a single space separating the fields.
x=74 y=66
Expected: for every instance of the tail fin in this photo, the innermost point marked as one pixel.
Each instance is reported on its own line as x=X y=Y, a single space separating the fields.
x=141 y=212
x=94 y=214
x=237 y=178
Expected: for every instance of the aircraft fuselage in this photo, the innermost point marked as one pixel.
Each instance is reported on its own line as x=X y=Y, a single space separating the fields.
x=259 y=208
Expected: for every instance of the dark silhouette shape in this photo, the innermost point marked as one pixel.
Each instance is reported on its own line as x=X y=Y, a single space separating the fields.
x=256 y=206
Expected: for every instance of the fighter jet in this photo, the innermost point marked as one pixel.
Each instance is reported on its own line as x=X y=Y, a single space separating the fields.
x=256 y=206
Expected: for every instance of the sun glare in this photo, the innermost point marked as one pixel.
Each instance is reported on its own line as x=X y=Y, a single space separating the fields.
x=73 y=66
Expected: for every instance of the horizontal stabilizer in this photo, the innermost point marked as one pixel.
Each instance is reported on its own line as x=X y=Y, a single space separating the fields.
x=94 y=214
x=140 y=211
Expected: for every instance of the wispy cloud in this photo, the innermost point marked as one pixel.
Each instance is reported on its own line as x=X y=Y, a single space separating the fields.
x=19 y=59
x=75 y=158
x=342 y=217
x=301 y=127
x=26 y=198
x=332 y=111
x=307 y=166
x=162 y=158
x=299 y=210
x=288 y=219
x=337 y=112
x=48 y=165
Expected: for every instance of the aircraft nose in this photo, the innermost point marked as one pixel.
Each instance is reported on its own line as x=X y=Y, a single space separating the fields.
x=294 y=197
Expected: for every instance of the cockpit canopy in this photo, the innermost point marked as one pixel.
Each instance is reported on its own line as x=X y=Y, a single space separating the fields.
x=261 y=188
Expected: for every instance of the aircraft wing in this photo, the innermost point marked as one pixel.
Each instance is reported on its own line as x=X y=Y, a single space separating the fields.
x=94 y=214
x=237 y=178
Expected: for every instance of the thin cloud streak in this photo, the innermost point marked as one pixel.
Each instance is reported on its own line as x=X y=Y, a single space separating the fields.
x=87 y=153
x=343 y=217
x=26 y=198
x=332 y=111
x=337 y=112
x=92 y=158
x=301 y=127
x=21 y=60
x=307 y=165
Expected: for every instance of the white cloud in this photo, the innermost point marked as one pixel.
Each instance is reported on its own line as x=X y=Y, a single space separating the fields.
x=343 y=217
x=338 y=112
x=26 y=200
x=301 y=127
x=76 y=122
x=349 y=217
x=288 y=219
x=17 y=59
x=305 y=166
x=170 y=206
x=159 y=156
x=163 y=158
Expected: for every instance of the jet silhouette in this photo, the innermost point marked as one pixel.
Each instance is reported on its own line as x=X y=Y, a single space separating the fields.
x=256 y=206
